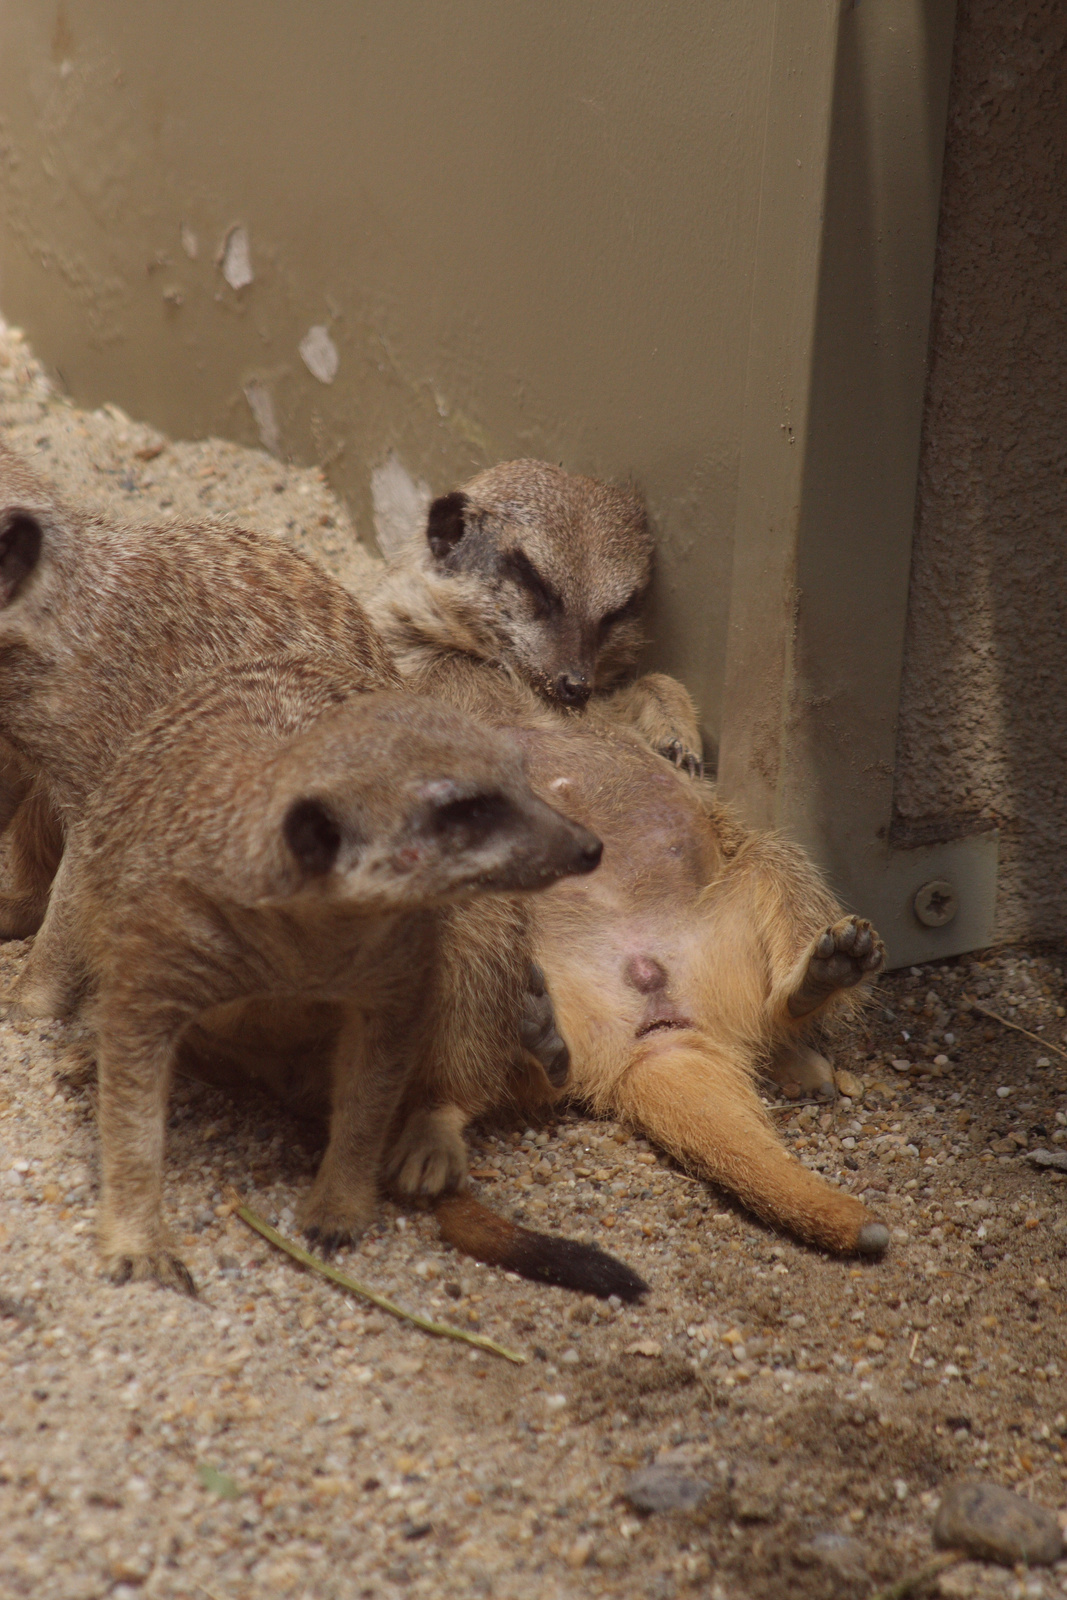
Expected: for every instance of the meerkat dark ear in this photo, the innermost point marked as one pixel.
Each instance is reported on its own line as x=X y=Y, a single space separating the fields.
x=20 y=551
x=446 y=524
x=313 y=835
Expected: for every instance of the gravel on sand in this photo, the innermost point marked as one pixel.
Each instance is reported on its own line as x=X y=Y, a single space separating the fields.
x=277 y=1438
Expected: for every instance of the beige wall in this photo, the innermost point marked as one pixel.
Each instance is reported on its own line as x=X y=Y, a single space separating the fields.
x=983 y=730
x=528 y=229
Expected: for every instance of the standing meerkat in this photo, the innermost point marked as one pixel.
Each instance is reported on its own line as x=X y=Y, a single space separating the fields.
x=98 y=624
x=99 y=627
x=276 y=832
x=703 y=953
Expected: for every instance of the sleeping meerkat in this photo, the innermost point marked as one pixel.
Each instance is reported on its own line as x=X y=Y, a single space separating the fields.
x=540 y=574
x=276 y=832
x=703 y=953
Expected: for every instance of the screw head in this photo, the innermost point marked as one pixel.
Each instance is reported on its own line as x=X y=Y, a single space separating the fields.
x=935 y=904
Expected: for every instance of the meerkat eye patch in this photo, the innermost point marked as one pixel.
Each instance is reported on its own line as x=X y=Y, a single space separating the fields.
x=446 y=523
x=623 y=613
x=517 y=566
x=472 y=820
x=313 y=835
x=20 y=551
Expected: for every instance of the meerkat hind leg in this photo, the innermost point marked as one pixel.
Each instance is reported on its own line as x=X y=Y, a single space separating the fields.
x=797 y=1065
x=53 y=981
x=34 y=846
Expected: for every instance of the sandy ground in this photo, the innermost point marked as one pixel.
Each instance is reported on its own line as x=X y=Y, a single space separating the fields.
x=279 y=1438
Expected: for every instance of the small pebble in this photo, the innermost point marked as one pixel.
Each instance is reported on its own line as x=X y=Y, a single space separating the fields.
x=666 y=1488
x=1056 y=1159
x=994 y=1524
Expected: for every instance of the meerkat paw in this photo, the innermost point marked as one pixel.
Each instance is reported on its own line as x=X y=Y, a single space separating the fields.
x=330 y=1221
x=430 y=1156
x=161 y=1265
x=538 y=1033
x=679 y=756
x=839 y=958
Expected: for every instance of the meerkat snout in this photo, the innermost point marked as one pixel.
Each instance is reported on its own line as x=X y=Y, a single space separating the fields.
x=573 y=688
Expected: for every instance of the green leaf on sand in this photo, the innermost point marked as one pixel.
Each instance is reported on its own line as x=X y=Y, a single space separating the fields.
x=219 y=1483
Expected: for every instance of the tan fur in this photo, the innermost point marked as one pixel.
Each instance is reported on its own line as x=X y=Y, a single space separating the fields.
x=99 y=622
x=676 y=974
x=540 y=574
x=244 y=845
x=754 y=952
x=99 y=625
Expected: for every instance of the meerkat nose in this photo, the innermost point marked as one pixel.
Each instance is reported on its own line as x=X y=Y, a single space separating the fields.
x=573 y=689
x=590 y=854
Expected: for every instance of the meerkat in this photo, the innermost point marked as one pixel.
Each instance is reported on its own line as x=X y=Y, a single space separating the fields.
x=540 y=574
x=274 y=831
x=98 y=627
x=744 y=951
x=99 y=622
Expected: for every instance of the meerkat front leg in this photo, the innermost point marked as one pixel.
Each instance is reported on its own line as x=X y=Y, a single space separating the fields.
x=662 y=712
x=838 y=958
x=371 y=1065
x=135 y=1057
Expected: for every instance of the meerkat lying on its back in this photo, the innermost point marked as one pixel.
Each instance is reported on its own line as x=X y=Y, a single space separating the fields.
x=703 y=953
x=270 y=833
x=541 y=574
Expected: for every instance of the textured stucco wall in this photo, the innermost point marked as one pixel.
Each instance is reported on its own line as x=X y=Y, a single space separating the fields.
x=983 y=723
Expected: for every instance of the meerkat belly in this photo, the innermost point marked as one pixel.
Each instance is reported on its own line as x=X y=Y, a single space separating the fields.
x=621 y=945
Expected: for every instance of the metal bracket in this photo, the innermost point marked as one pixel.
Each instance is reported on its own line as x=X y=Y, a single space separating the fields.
x=894 y=880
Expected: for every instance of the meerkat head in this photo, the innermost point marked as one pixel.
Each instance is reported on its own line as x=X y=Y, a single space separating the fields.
x=562 y=564
x=394 y=802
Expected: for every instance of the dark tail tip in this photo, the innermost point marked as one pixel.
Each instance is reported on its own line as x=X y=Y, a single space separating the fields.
x=542 y=1257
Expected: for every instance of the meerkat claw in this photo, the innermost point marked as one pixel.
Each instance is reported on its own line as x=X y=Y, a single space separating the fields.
x=168 y=1270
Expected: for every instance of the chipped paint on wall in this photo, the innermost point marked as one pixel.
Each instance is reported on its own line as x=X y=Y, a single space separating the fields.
x=235 y=258
x=319 y=353
x=400 y=504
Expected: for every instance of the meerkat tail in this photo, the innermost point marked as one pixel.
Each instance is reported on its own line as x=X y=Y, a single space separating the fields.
x=543 y=1257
